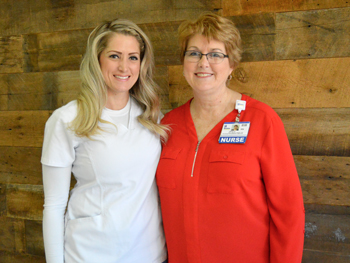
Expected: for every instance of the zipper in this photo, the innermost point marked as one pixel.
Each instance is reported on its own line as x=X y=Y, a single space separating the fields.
x=194 y=160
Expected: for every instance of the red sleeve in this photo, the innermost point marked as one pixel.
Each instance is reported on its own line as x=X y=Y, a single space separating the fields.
x=285 y=200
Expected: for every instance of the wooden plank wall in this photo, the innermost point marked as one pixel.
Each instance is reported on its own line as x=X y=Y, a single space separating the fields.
x=296 y=59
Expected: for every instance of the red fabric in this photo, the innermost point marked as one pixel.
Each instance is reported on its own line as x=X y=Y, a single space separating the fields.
x=244 y=202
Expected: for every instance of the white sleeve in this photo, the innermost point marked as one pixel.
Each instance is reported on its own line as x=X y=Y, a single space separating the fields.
x=56 y=182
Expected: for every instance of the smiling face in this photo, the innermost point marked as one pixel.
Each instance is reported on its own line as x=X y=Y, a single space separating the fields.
x=203 y=76
x=120 y=64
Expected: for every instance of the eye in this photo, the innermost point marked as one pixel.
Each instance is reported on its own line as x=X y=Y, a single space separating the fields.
x=134 y=58
x=114 y=56
x=193 y=53
x=216 y=55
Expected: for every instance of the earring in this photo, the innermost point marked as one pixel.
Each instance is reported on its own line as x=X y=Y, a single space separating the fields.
x=229 y=77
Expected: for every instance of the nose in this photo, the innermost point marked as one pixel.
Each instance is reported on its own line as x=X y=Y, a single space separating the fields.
x=122 y=66
x=203 y=62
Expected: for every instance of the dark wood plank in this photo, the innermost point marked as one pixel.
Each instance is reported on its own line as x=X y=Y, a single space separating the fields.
x=282 y=84
x=313 y=34
x=2 y=199
x=7 y=234
x=315 y=256
x=34 y=238
x=258 y=36
x=241 y=7
x=320 y=132
x=324 y=179
x=51 y=90
x=50 y=16
x=327 y=209
x=6 y=257
x=20 y=165
x=327 y=233
x=3 y=92
x=22 y=128
x=25 y=201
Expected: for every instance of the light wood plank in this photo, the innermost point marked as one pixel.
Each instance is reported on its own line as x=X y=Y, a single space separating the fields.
x=242 y=7
x=11 y=55
x=22 y=128
x=313 y=34
x=282 y=84
x=324 y=179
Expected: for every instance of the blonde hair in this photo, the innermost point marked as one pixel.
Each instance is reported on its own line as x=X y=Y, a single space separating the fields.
x=216 y=27
x=93 y=94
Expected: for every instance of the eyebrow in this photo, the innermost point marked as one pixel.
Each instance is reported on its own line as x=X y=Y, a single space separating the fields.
x=132 y=53
x=213 y=49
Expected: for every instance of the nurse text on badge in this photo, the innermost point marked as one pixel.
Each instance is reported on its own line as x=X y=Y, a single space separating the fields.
x=234 y=132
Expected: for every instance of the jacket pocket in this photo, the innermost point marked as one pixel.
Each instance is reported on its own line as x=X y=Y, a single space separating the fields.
x=166 y=171
x=225 y=171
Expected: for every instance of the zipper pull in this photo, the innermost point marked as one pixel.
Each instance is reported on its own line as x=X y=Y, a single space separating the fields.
x=195 y=156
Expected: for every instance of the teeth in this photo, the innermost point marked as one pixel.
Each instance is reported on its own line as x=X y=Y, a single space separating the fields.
x=203 y=75
x=120 y=77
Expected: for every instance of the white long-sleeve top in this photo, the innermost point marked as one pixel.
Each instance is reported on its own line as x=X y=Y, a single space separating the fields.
x=113 y=211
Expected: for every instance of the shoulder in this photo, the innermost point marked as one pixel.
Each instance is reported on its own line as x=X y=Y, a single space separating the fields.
x=259 y=109
x=64 y=114
x=176 y=114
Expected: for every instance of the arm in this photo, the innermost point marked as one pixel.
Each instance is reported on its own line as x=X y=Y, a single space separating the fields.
x=285 y=200
x=56 y=190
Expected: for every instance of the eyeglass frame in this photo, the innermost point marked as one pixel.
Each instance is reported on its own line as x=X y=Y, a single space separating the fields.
x=225 y=56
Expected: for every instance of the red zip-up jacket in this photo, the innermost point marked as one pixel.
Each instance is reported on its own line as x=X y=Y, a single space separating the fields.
x=230 y=202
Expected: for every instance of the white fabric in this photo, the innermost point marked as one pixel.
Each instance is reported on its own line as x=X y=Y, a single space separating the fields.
x=113 y=212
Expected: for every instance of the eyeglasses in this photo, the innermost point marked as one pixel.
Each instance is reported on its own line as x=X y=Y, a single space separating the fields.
x=212 y=57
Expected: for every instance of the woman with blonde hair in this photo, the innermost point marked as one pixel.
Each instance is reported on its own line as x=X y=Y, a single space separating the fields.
x=230 y=195
x=109 y=138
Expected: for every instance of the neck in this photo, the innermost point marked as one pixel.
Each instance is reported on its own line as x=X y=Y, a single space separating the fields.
x=117 y=101
x=214 y=104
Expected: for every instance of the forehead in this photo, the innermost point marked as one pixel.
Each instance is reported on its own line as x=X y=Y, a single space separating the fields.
x=121 y=41
x=202 y=42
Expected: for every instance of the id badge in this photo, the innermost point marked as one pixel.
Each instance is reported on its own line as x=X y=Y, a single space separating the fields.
x=234 y=132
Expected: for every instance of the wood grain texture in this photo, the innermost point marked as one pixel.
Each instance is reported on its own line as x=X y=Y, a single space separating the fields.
x=324 y=179
x=313 y=34
x=20 y=165
x=63 y=50
x=327 y=233
x=7 y=257
x=11 y=55
x=258 y=36
x=7 y=233
x=3 y=207
x=317 y=132
x=51 y=90
x=22 y=128
x=25 y=201
x=282 y=84
x=317 y=256
x=34 y=237
x=50 y=16
x=241 y=7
